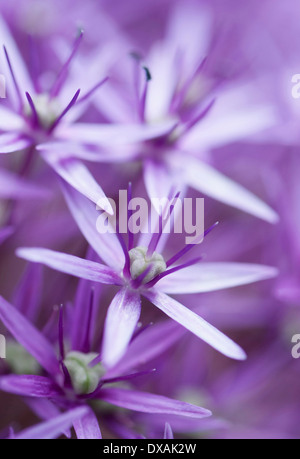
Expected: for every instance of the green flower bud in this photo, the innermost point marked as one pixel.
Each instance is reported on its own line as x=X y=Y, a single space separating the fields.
x=139 y=262
x=85 y=379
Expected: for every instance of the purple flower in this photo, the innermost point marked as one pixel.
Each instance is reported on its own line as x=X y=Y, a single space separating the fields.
x=38 y=116
x=75 y=379
x=187 y=110
x=140 y=271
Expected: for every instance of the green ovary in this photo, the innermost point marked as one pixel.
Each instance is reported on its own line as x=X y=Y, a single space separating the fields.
x=85 y=379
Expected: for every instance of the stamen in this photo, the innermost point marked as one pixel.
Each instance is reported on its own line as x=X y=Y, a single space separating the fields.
x=141 y=330
x=173 y=270
x=17 y=88
x=188 y=247
x=126 y=269
x=65 y=111
x=67 y=376
x=87 y=339
x=33 y=109
x=143 y=100
x=64 y=71
x=61 y=333
x=139 y=280
x=127 y=377
x=199 y=117
x=47 y=110
x=129 y=214
x=92 y=90
x=157 y=236
x=34 y=63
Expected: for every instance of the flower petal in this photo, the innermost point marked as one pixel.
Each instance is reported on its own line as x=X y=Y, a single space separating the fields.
x=148 y=345
x=29 y=386
x=150 y=403
x=12 y=186
x=79 y=177
x=168 y=434
x=227 y=124
x=29 y=337
x=70 y=264
x=5 y=233
x=121 y=320
x=19 y=66
x=157 y=180
x=208 y=277
x=54 y=427
x=9 y=120
x=28 y=294
x=116 y=134
x=208 y=180
x=106 y=245
x=10 y=143
x=87 y=427
x=196 y=324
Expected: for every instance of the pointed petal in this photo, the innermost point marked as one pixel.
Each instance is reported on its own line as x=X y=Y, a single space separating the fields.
x=29 y=337
x=79 y=177
x=10 y=121
x=12 y=186
x=119 y=153
x=10 y=143
x=209 y=181
x=208 y=277
x=54 y=427
x=150 y=403
x=116 y=134
x=121 y=320
x=70 y=264
x=87 y=427
x=29 y=386
x=168 y=434
x=157 y=180
x=45 y=409
x=226 y=125
x=196 y=325
x=18 y=63
x=106 y=245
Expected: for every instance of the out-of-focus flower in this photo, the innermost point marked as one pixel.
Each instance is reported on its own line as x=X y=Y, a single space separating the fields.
x=204 y=110
x=37 y=115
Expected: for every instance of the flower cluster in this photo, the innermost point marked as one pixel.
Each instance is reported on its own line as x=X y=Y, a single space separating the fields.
x=140 y=334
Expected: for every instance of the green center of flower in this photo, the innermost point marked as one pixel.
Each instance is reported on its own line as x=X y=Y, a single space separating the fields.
x=20 y=361
x=47 y=109
x=85 y=379
x=140 y=262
